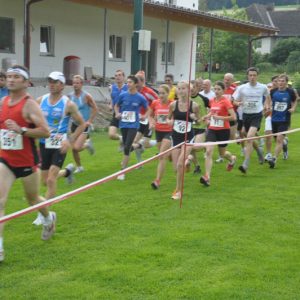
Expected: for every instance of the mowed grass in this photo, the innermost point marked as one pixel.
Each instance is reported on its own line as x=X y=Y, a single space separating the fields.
x=238 y=239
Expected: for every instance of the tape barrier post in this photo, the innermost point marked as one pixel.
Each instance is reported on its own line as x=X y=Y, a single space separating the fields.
x=81 y=189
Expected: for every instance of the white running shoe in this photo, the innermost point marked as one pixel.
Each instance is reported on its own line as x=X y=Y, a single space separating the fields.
x=70 y=178
x=79 y=169
x=268 y=157
x=90 y=147
x=121 y=177
x=219 y=160
x=48 y=230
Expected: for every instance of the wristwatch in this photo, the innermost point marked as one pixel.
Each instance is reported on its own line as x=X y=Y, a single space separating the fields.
x=23 y=130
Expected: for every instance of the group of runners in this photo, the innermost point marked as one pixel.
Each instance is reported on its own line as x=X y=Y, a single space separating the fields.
x=193 y=112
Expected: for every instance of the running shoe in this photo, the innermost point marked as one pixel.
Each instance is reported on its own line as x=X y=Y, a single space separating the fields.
x=79 y=169
x=231 y=164
x=138 y=153
x=121 y=177
x=268 y=157
x=205 y=180
x=243 y=169
x=155 y=184
x=70 y=177
x=176 y=196
x=90 y=147
x=197 y=170
x=48 y=230
x=272 y=163
x=1 y=255
x=219 y=160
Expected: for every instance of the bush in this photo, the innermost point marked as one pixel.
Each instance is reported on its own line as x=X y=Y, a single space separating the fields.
x=293 y=64
x=265 y=67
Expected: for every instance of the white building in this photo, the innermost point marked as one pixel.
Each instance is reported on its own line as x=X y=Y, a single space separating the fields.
x=60 y=28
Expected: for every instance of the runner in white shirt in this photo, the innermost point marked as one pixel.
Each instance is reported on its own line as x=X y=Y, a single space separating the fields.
x=250 y=97
x=207 y=91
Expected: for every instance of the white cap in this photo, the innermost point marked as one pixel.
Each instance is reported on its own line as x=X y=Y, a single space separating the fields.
x=57 y=76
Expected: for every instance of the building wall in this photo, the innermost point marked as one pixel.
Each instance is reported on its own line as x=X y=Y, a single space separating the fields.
x=79 y=31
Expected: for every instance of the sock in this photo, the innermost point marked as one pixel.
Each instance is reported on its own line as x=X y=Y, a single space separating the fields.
x=47 y=220
x=153 y=143
x=1 y=243
x=68 y=172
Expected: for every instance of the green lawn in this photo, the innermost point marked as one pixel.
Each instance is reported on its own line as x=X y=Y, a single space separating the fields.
x=238 y=239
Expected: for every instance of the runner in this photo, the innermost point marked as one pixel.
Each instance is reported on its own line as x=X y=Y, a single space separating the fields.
x=207 y=91
x=116 y=89
x=169 y=81
x=127 y=111
x=144 y=133
x=251 y=96
x=284 y=103
x=198 y=128
x=58 y=109
x=220 y=114
x=177 y=118
x=88 y=109
x=21 y=121
x=158 y=114
x=3 y=88
x=268 y=121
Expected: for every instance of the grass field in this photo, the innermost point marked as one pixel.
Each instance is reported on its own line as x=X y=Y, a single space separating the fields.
x=238 y=239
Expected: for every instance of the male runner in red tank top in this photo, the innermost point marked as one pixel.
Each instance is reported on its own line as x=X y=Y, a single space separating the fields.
x=21 y=121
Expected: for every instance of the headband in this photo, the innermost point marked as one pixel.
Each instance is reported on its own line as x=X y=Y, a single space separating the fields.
x=18 y=71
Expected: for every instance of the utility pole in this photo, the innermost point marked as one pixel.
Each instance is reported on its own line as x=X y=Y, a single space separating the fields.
x=136 y=55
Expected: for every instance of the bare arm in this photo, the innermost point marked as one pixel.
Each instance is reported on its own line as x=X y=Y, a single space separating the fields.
x=76 y=116
x=91 y=102
x=32 y=114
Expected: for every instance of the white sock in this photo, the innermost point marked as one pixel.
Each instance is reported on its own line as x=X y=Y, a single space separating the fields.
x=152 y=143
x=47 y=220
x=1 y=243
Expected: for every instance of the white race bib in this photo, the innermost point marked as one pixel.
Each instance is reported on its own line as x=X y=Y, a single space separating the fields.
x=251 y=105
x=11 y=140
x=55 y=140
x=180 y=126
x=128 y=116
x=280 y=106
x=216 y=122
x=161 y=119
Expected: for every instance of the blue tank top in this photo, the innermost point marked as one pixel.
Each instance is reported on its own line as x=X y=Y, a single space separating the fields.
x=115 y=92
x=83 y=107
x=55 y=115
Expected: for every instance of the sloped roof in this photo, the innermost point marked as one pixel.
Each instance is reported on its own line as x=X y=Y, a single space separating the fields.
x=286 y=20
x=166 y=11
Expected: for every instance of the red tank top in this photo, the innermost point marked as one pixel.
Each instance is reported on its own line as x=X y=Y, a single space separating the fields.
x=27 y=157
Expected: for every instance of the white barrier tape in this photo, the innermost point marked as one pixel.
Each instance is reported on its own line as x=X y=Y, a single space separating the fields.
x=204 y=144
x=81 y=189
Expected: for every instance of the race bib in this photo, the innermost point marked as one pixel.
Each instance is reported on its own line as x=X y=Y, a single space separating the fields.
x=128 y=116
x=280 y=106
x=161 y=119
x=251 y=105
x=11 y=140
x=180 y=126
x=55 y=140
x=216 y=122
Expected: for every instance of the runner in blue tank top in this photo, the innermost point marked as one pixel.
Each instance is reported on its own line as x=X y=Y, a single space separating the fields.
x=88 y=110
x=58 y=110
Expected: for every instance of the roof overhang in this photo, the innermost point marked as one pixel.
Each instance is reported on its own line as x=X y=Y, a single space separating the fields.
x=179 y=14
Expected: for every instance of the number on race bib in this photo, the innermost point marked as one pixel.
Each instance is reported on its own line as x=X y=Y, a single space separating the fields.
x=55 y=140
x=128 y=116
x=280 y=106
x=161 y=119
x=11 y=140
x=216 y=122
x=251 y=104
x=180 y=126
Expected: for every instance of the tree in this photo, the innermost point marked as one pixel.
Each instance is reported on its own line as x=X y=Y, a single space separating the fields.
x=282 y=50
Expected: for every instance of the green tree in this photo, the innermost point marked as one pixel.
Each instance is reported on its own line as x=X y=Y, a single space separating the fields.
x=282 y=50
x=293 y=61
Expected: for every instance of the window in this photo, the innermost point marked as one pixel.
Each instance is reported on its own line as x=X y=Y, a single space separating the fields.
x=116 y=48
x=170 y=51
x=7 y=35
x=47 y=40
